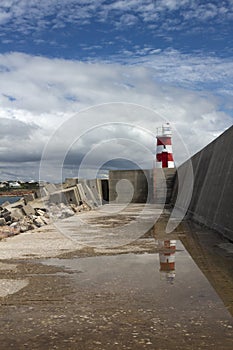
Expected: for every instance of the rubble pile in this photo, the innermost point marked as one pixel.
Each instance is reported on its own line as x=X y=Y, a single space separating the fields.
x=22 y=218
x=50 y=203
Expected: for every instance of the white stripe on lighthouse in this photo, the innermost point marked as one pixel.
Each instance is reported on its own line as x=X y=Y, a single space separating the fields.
x=160 y=149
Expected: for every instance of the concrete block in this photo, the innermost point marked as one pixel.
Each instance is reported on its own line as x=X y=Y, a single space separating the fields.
x=29 y=197
x=42 y=192
x=81 y=192
x=17 y=213
x=28 y=210
x=5 y=204
x=130 y=186
x=66 y=196
x=72 y=196
x=70 y=182
x=50 y=188
x=96 y=192
x=88 y=195
x=40 y=212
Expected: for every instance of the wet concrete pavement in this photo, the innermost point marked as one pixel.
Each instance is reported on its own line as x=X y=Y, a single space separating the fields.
x=123 y=297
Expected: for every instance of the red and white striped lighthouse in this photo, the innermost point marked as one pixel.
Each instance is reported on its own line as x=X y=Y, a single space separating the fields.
x=164 y=155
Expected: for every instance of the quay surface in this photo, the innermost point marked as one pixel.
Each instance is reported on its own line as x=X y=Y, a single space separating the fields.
x=94 y=281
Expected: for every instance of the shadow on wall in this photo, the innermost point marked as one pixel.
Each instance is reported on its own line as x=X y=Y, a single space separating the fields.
x=212 y=197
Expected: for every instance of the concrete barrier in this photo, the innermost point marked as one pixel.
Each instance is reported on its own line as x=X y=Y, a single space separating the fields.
x=66 y=196
x=212 y=198
x=141 y=186
x=130 y=186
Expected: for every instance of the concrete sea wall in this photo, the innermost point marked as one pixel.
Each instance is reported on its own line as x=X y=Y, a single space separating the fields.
x=141 y=186
x=212 y=196
x=130 y=186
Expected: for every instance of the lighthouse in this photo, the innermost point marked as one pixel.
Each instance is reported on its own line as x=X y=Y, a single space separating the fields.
x=164 y=155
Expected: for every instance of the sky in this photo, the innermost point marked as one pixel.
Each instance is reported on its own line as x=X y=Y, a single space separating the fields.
x=84 y=84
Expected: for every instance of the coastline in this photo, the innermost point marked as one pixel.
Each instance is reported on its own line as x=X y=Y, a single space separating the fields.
x=16 y=193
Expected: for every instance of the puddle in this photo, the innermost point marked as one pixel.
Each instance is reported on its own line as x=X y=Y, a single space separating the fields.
x=168 y=280
x=132 y=301
x=9 y=286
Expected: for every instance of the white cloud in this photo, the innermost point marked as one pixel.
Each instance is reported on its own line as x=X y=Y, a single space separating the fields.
x=38 y=95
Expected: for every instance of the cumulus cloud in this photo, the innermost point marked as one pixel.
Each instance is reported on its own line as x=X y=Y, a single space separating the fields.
x=46 y=99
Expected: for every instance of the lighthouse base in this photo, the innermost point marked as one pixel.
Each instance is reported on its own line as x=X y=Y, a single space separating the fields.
x=163 y=182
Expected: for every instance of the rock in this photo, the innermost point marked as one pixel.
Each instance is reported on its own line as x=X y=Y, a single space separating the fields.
x=23 y=228
x=38 y=222
x=8 y=219
x=74 y=208
x=2 y=222
x=14 y=224
x=46 y=221
x=67 y=212
x=40 y=212
x=3 y=235
x=31 y=227
x=4 y=213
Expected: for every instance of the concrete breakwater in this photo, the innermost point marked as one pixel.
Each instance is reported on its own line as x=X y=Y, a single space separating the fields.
x=212 y=197
x=211 y=202
x=49 y=204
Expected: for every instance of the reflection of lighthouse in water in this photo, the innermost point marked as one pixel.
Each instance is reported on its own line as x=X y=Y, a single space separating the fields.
x=167 y=259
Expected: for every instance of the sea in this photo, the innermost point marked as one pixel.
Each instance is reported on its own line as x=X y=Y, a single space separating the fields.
x=10 y=199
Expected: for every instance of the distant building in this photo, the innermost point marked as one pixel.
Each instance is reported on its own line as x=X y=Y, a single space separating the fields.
x=14 y=184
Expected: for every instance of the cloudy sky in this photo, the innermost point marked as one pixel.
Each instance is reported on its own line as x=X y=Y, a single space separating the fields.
x=87 y=82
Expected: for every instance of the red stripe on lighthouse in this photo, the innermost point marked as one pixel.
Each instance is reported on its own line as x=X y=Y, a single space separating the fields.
x=164 y=154
x=163 y=141
x=160 y=157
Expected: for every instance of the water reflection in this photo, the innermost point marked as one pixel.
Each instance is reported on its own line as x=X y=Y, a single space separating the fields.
x=167 y=260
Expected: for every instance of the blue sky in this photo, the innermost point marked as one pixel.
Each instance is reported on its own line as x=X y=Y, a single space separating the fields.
x=60 y=57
